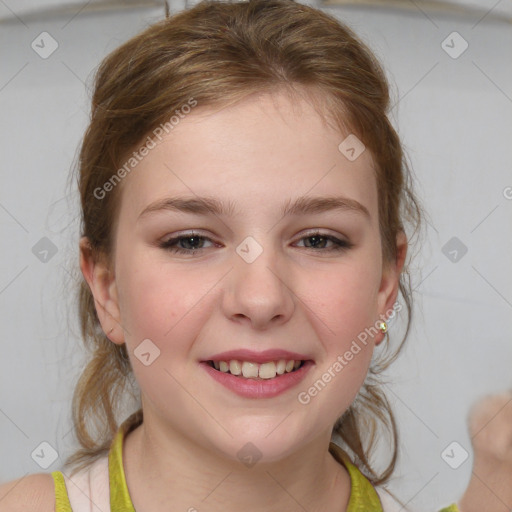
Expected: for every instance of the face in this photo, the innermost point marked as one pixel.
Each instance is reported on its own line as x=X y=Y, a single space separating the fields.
x=251 y=277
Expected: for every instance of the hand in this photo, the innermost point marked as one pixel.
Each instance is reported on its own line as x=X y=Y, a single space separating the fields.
x=490 y=428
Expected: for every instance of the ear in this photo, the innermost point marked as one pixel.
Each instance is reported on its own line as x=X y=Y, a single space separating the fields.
x=389 y=285
x=101 y=281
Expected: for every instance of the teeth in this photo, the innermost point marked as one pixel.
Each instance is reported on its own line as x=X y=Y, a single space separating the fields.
x=251 y=370
x=267 y=370
x=281 y=367
x=235 y=368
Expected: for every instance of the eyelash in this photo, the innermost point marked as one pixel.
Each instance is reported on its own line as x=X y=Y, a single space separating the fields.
x=171 y=244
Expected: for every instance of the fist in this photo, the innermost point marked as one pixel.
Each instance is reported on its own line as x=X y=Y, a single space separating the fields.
x=490 y=427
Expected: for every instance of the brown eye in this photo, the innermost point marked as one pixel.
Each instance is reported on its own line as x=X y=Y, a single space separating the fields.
x=319 y=240
x=192 y=244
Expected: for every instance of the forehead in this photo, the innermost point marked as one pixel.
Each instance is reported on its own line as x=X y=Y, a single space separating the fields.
x=263 y=151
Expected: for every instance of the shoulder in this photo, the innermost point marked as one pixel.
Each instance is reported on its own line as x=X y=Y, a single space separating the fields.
x=35 y=492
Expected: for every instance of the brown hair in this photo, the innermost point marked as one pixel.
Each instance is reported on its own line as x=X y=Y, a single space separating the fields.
x=219 y=53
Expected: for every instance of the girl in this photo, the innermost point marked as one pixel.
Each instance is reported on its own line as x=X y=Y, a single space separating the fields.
x=244 y=202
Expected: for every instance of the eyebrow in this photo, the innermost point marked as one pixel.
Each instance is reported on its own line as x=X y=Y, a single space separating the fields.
x=301 y=206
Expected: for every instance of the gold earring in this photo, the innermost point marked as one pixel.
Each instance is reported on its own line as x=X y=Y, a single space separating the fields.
x=111 y=330
x=383 y=326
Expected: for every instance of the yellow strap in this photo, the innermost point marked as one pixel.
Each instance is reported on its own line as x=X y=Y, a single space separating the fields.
x=61 y=494
x=363 y=496
x=120 y=500
x=119 y=496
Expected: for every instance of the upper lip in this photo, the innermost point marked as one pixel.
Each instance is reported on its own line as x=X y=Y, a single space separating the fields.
x=258 y=357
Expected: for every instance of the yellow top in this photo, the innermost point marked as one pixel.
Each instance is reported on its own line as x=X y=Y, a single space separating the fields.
x=363 y=496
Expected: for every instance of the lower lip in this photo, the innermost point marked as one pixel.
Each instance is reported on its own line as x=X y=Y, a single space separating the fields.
x=265 y=388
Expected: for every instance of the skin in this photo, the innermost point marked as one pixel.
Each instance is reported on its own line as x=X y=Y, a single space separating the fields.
x=258 y=154
x=489 y=488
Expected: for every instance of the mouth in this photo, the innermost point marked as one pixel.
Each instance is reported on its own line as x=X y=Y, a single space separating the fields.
x=263 y=380
x=257 y=371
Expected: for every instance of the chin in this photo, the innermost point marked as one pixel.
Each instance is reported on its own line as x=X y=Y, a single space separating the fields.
x=252 y=449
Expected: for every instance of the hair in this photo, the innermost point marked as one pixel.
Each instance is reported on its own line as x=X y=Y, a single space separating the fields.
x=219 y=53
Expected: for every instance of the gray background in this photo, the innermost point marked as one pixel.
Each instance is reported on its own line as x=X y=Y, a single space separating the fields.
x=454 y=116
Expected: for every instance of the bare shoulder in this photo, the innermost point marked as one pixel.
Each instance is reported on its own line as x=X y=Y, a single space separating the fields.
x=34 y=492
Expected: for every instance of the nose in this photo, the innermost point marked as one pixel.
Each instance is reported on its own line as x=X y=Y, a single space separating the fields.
x=259 y=289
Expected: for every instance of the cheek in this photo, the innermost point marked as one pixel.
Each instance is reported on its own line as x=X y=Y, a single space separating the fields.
x=346 y=299
x=155 y=299
x=345 y=307
x=163 y=305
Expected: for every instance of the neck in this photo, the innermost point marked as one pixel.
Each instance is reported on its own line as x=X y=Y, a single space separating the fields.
x=163 y=470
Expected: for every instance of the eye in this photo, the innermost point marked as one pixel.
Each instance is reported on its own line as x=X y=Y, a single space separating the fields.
x=192 y=241
x=319 y=239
